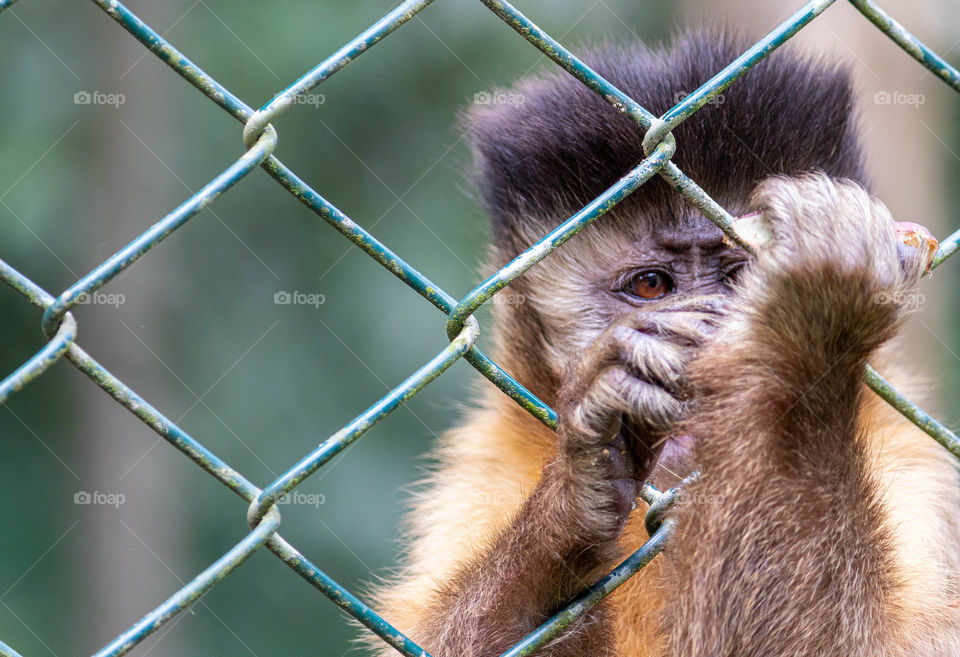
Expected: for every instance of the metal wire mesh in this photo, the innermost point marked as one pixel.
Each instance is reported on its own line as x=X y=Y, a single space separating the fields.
x=463 y=329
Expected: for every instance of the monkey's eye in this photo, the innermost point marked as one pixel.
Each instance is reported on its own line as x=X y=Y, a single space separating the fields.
x=649 y=285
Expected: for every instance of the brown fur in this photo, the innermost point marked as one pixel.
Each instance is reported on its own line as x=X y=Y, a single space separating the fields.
x=900 y=514
x=824 y=524
x=801 y=558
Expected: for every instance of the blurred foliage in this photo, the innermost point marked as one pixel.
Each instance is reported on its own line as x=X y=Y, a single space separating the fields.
x=198 y=318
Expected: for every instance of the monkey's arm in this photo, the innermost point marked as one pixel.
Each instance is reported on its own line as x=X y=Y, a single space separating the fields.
x=544 y=557
x=781 y=548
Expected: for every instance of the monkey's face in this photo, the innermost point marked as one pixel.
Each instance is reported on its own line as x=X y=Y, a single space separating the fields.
x=614 y=269
x=646 y=280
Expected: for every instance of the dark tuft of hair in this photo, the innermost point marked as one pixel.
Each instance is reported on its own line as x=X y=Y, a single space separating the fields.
x=541 y=160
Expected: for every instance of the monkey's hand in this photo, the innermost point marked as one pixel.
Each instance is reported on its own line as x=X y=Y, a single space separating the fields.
x=618 y=404
x=779 y=441
x=834 y=280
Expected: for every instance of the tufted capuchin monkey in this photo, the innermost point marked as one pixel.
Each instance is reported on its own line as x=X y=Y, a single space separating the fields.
x=823 y=523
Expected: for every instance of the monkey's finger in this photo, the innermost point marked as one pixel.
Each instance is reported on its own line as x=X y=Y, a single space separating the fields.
x=710 y=304
x=916 y=246
x=753 y=229
x=613 y=393
x=684 y=328
x=651 y=407
x=648 y=358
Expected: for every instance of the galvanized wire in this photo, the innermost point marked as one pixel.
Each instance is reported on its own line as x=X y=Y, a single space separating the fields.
x=260 y=138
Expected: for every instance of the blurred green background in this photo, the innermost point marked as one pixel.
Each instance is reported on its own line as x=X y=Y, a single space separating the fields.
x=195 y=329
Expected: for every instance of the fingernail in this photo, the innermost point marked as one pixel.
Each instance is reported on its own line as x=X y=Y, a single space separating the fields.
x=916 y=236
x=753 y=229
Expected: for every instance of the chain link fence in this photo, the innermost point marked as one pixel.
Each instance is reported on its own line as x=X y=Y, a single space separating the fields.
x=260 y=139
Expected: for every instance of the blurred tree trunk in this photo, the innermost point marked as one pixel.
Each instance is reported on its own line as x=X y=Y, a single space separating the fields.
x=129 y=577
